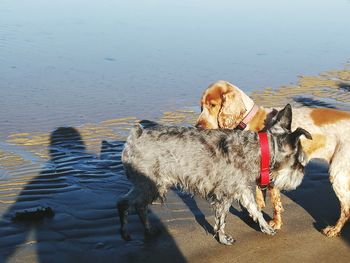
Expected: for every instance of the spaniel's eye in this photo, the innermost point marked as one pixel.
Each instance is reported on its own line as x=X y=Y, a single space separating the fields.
x=212 y=105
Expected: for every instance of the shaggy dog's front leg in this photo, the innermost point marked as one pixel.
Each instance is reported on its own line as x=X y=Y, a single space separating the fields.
x=220 y=210
x=139 y=197
x=246 y=198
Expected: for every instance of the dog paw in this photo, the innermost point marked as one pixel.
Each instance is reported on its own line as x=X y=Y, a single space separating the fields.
x=268 y=230
x=331 y=231
x=275 y=224
x=261 y=205
x=226 y=239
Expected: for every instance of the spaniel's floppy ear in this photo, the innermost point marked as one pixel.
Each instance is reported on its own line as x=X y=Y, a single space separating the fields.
x=232 y=110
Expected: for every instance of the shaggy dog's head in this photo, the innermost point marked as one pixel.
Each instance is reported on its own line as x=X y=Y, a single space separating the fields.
x=290 y=159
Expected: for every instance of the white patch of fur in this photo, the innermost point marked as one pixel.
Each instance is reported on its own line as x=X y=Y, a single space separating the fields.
x=288 y=179
x=248 y=102
x=211 y=120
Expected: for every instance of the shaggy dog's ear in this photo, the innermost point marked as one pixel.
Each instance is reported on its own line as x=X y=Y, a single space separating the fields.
x=284 y=118
x=295 y=135
x=232 y=110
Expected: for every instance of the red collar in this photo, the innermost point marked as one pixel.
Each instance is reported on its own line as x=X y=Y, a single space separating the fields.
x=265 y=160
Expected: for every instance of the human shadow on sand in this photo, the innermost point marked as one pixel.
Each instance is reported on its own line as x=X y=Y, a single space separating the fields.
x=81 y=189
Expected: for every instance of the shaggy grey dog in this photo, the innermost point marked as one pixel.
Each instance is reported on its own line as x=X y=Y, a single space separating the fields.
x=218 y=165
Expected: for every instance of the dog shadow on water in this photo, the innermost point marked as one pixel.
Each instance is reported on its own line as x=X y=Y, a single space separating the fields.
x=68 y=212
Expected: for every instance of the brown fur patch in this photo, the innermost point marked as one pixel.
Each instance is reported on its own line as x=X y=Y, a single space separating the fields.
x=328 y=116
x=211 y=101
x=214 y=111
x=219 y=100
x=213 y=94
x=259 y=198
x=310 y=146
x=232 y=110
x=275 y=196
x=258 y=121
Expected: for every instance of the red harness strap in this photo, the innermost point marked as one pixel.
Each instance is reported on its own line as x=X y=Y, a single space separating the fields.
x=265 y=159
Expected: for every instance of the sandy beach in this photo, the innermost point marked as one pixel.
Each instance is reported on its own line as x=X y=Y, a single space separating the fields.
x=80 y=178
x=98 y=67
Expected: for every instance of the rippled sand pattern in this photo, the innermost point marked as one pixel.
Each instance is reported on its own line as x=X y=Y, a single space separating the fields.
x=80 y=177
x=10 y=161
x=78 y=173
x=329 y=89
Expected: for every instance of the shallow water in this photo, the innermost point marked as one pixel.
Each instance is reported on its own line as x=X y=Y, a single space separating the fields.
x=80 y=177
x=72 y=62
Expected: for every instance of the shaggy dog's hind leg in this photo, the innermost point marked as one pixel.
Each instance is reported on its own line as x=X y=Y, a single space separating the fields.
x=139 y=198
x=123 y=207
x=142 y=211
x=220 y=210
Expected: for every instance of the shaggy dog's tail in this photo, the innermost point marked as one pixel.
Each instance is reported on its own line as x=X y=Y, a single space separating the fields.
x=136 y=132
x=148 y=123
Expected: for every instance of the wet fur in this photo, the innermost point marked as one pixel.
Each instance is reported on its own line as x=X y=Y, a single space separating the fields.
x=218 y=165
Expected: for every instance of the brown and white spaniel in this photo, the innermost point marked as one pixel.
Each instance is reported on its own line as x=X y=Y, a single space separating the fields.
x=226 y=106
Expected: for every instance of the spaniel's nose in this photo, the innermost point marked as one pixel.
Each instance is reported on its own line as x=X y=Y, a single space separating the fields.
x=199 y=125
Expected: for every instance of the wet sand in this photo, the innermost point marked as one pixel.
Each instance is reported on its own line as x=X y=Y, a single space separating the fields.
x=80 y=179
